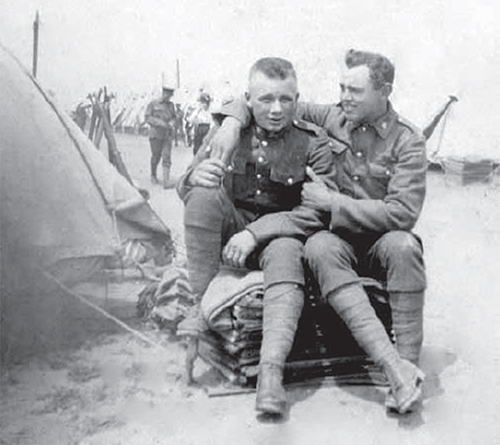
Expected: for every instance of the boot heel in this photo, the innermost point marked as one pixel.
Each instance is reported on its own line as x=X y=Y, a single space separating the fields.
x=271 y=395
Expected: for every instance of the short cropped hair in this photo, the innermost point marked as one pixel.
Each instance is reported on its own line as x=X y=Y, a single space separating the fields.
x=381 y=68
x=274 y=68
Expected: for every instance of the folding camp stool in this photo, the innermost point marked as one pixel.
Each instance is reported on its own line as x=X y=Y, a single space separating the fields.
x=323 y=345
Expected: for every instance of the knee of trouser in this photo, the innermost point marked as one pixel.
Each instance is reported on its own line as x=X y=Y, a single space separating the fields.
x=283 y=250
x=324 y=247
x=399 y=247
x=202 y=202
x=282 y=262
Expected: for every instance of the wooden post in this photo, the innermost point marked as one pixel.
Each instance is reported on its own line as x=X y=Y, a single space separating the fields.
x=429 y=129
x=36 y=25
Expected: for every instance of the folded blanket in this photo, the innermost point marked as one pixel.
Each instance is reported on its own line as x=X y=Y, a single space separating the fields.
x=229 y=287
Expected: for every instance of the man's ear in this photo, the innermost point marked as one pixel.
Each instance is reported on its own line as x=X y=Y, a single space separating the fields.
x=386 y=89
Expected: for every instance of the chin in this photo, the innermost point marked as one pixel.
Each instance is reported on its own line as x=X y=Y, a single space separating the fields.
x=353 y=117
x=274 y=128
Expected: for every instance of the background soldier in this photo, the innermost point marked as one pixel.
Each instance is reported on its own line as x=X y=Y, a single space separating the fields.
x=161 y=117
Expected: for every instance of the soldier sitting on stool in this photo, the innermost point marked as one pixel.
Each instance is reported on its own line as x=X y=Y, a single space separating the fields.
x=223 y=207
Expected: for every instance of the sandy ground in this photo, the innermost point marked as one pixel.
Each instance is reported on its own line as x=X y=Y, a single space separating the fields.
x=106 y=387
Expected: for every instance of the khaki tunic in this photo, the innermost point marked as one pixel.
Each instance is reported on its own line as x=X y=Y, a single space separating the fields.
x=380 y=171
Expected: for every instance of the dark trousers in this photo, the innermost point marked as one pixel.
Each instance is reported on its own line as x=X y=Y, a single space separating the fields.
x=199 y=134
x=394 y=258
x=210 y=219
x=161 y=149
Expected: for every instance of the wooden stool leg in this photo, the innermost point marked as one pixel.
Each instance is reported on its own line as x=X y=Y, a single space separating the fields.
x=191 y=354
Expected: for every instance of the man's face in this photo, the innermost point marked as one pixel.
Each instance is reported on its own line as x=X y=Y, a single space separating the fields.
x=273 y=101
x=167 y=95
x=359 y=99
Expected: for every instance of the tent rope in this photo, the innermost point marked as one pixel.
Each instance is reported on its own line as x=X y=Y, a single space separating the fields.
x=103 y=312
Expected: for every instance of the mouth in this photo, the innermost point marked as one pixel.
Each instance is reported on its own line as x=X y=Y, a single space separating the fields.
x=275 y=122
x=348 y=108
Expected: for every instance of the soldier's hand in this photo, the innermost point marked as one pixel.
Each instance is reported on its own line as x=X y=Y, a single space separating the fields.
x=208 y=173
x=238 y=248
x=226 y=139
x=316 y=194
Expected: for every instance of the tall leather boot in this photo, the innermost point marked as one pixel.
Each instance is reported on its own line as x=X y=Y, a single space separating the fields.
x=283 y=305
x=407 y=322
x=352 y=305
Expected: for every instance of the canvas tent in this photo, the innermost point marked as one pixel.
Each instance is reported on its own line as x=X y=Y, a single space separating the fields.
x=128 y=112
x=65 y=210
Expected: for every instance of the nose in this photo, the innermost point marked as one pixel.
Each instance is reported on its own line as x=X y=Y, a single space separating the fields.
x=276 y=107
x=345 y=94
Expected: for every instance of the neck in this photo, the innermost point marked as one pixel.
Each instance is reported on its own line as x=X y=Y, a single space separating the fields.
x=384 y=108
x=262 y=132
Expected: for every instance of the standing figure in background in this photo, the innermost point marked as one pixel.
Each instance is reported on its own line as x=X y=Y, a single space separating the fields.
x=179 y=124
x=201 y=120
x=160 y=115
x=188 y=111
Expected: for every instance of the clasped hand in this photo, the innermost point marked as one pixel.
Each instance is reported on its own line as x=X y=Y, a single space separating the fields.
x=316 y=194
x=208 y=173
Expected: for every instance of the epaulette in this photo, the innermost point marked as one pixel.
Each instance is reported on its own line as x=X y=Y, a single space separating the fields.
x=308 y=126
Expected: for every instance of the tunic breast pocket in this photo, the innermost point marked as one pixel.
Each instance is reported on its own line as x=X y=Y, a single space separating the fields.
x=380 y=175
x=288 y=176
x=382 y=172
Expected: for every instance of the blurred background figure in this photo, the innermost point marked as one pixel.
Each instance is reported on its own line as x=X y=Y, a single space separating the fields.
x=201 y=120
x=161 y=116
x=179 y=124
x=80 y=115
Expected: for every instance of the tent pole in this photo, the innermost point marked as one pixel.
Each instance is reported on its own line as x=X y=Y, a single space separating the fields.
x=36 y=25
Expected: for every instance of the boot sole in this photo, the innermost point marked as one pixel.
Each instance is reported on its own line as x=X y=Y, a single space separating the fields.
x=270 y=407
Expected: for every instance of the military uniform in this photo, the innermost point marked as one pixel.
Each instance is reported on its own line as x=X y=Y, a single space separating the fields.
x=161 y=116
x=265 y=176
x=381 y=175
x=382 y=180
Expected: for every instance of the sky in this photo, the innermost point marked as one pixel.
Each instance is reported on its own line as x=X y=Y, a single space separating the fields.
x=439 y=48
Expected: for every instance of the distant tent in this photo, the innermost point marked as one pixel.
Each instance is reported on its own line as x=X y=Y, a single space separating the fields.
x=128 y=113
x=468 y=156
x=64 y=207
